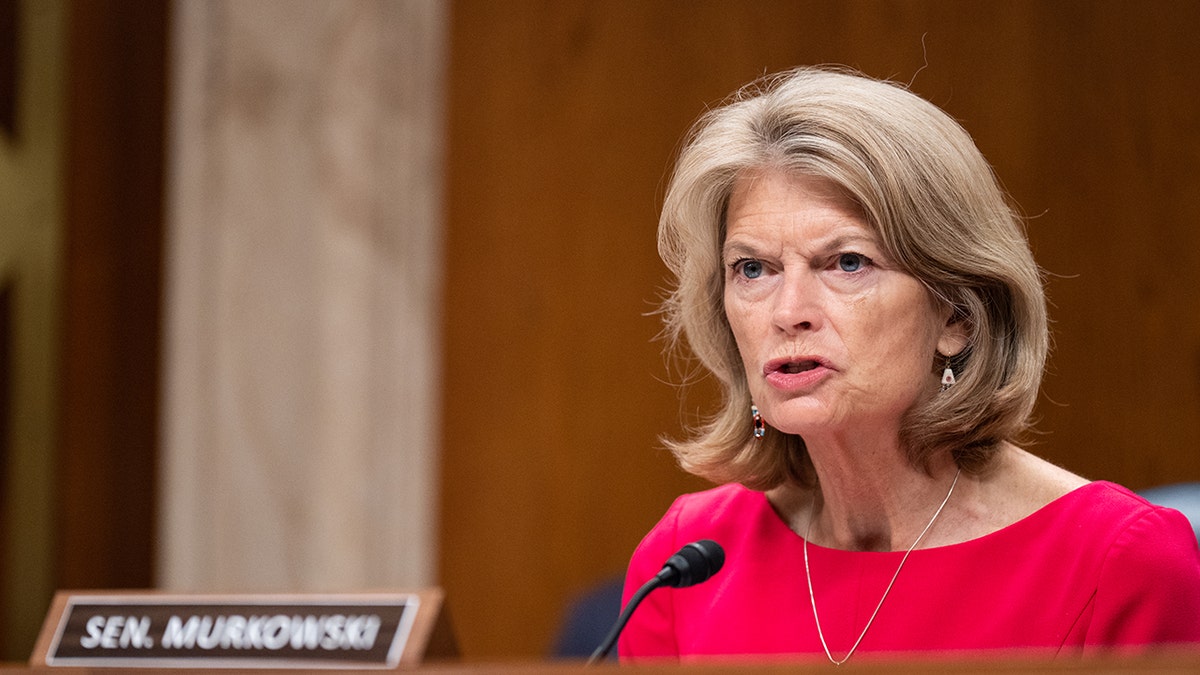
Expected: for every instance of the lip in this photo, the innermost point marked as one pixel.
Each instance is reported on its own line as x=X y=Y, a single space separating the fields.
x=782 y=373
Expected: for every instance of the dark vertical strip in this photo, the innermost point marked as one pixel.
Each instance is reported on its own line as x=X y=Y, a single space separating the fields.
x=116 y=94
x=9 y=64
x=6 y=388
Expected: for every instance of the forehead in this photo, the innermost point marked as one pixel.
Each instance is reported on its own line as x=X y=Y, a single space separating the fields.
x=777 y=197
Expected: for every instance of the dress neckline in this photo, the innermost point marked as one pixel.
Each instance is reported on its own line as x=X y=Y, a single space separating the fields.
x=1016 y=528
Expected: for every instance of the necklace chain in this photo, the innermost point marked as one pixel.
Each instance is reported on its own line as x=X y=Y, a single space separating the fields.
x=813 y=597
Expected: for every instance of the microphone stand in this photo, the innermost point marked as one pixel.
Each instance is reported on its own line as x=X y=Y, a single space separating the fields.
x=611 y=639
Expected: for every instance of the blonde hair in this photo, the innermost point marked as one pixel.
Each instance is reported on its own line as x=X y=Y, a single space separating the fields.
x=940 y=215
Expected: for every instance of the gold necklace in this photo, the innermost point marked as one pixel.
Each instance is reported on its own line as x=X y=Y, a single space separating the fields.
x=808 y=574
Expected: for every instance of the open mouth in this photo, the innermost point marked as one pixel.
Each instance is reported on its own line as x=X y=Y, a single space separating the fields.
x=793 y=367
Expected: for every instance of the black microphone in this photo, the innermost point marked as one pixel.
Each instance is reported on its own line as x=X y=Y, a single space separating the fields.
x=694 y=563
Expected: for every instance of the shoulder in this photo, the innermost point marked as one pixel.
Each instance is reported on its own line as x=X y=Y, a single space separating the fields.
x=705 y=514
x=722 y=514
x=1119 y=506
x=1031 y=480
x=711 y=514
x=1137 y=544
x=1014 y=487
x=1101 y=525
x=1141 y=531
x=1148 y=588
x=728 y=500
x=1034 y=484
x=1108 y=514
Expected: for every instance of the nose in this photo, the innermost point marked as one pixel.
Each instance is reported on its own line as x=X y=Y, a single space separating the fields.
x=798 y=306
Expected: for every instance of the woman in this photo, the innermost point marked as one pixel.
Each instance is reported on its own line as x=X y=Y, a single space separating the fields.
x=850 y=271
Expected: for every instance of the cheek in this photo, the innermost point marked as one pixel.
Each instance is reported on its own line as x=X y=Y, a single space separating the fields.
x=738 y=316
x=744 y=341
x=902 y=337
x=742 y=326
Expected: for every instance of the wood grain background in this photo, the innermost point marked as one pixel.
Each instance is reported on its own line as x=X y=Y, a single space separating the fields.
x=564 y=120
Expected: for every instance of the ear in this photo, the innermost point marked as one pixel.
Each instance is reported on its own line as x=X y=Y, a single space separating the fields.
x=954 y=337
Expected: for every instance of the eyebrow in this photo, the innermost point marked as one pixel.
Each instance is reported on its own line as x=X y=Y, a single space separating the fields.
x=739 y=248
x=842 y=241
x=835 y=243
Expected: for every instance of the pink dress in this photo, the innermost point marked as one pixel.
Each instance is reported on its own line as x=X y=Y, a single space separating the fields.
x=1098 y=568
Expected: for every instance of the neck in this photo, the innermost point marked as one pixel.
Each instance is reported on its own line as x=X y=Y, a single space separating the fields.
x=866 y=499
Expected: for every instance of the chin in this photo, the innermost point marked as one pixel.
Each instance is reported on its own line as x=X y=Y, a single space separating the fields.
x=807 y=425
x=815 y=422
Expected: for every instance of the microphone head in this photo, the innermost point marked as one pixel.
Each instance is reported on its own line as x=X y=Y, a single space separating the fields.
x=694 y=563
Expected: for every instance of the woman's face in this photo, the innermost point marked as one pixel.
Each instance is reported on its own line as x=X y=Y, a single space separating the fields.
x=834 y=338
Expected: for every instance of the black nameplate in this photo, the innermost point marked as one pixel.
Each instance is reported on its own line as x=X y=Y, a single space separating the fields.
x=328 y=631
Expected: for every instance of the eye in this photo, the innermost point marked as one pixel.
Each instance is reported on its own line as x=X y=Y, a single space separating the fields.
x=852 y=262
x=750 y=269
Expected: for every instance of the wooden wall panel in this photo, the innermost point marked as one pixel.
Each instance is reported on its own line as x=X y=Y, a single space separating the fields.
x=563 y=119
x=112 y=248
